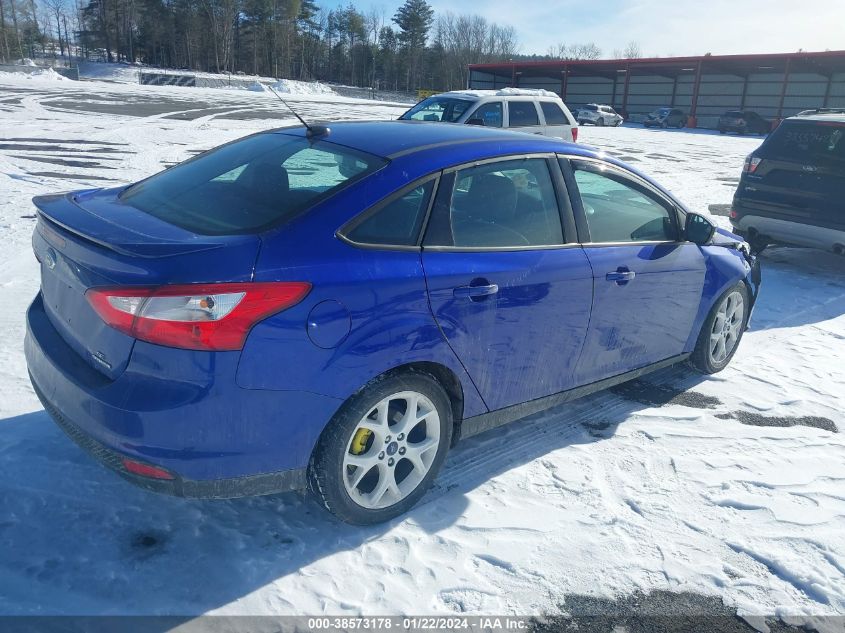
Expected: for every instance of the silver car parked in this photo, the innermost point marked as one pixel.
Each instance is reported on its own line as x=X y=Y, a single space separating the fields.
x=599 y=115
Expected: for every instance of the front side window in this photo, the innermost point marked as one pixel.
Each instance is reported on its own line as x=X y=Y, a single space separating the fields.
x=489 y=113
x=619 y=210
x=444 y=109
x=250 y=184
x=503 y=204
x=553 y=113
x=523 y=114
x=396 y=223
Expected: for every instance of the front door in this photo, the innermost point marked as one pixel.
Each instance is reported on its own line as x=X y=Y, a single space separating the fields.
x=509 y=293
x=648 y=282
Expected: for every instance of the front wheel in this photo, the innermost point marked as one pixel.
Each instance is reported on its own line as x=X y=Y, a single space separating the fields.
x=600 y=122
x=722 y=331
x=383 y=449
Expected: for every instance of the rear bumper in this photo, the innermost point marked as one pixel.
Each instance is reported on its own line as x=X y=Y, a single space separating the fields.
x=268 y=483
x=786 y=231
x=181 y=411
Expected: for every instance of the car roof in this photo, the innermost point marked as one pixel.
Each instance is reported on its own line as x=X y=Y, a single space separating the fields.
x=835 y=117
x=503 y=92
x=390 y=139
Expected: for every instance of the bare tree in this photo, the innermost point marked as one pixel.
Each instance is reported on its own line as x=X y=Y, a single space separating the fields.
x=575 y=51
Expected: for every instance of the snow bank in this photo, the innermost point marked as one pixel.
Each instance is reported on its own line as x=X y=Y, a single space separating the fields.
x=257 y=87
x=47 y=73
x=294 y=87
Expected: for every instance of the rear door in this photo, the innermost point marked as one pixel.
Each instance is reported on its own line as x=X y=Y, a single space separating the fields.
x=508 y=285
x=647 y=281
x=523 y=116
x=801 y=176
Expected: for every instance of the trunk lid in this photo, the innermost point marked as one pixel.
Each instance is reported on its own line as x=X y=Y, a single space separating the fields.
x=91 y=239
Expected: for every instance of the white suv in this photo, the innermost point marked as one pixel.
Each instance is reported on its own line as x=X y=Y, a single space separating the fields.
x=599 y=115
x=517 y=109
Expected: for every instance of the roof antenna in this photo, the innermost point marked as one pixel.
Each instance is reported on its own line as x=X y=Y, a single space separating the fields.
x=311 y=130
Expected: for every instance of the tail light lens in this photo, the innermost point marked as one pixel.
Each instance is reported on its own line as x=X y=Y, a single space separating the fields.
x=213 y=317
x=146 y=470
x=574 y=133
x=751 y=164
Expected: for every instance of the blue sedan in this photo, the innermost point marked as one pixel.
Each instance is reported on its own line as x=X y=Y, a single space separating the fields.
x=335 y=308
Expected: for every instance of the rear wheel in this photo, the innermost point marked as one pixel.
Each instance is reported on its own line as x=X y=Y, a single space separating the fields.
x=383 y=449
x=722 y=331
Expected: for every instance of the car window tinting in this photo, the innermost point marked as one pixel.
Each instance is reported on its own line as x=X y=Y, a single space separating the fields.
x=617 y=210
x=503 y=204
x=522 y=114
x=490 y=113
x=553 y=113
x=807 y=142
x=250 y=184
x=445 y=109
x=398 y=222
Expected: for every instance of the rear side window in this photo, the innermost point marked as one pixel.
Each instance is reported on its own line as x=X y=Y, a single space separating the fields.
x=395 y=223
x=807 y=142
x=250 y=184
x=498 y=205
x=553 y=113
x=523 y=114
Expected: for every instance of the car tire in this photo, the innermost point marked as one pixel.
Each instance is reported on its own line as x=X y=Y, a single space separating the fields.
x=721 y=130
x=722 y=330
x=366 y=430
x=600 y=121
x=665 y=124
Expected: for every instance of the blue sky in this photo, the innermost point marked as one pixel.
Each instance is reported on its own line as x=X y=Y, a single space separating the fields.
x=661 y=27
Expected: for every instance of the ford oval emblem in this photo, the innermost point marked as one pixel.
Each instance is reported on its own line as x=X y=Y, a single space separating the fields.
x=50 y=258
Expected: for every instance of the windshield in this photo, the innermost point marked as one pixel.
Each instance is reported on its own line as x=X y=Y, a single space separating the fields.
x=661 y=112
x=446 y=109
x=590 y=106
x=250 y=184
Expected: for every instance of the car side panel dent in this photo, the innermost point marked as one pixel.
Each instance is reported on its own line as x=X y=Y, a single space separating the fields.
x=390 y=322
x=725 y=267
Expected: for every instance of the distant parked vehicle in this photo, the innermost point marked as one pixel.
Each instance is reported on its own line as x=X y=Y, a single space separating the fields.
x=666 y=117
x=600 y=115
x=521 y=110
x=743 y=122
x=792 y=189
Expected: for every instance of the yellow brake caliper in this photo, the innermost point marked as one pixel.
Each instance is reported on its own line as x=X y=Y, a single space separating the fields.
x=359 y=442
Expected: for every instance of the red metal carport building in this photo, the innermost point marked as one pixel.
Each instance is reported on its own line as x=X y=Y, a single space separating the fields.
x=773 y=85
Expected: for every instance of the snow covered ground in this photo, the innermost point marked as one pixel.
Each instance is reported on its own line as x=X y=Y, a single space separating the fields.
x=715 y=485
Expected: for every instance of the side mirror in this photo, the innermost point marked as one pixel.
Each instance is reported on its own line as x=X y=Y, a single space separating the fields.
x=475 y=122
x=698 y=229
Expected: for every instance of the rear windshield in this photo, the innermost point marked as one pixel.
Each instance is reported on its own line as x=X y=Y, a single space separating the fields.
x=735 y=114
x=590 y=106
x=807 y=142
x=250 y=184
x=446 y=109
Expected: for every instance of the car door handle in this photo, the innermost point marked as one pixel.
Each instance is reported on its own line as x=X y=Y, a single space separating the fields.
x=621 y=276
x=475 y=292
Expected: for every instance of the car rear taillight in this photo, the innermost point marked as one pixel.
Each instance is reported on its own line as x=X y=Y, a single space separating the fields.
x=194 y=316
x=733 y=214
x=574 y=134
x=751 y=164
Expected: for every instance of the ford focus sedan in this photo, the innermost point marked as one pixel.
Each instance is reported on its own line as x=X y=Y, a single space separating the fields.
x=336 y=308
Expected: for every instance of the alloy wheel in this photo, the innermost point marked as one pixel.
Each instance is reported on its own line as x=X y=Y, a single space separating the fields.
x=727 y=327
x=391 y=450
